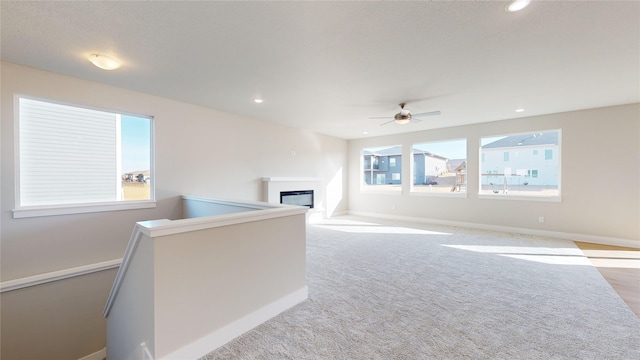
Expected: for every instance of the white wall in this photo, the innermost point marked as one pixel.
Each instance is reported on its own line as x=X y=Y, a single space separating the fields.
x=199 y=151
x=597 y=205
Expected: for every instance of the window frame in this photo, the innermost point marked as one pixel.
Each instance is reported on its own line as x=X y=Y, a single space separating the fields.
x=454 y=194
x=521 y=197
x=20 y=211
x=376 y=188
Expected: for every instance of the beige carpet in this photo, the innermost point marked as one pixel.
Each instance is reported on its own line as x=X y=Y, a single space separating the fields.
x=425 y=292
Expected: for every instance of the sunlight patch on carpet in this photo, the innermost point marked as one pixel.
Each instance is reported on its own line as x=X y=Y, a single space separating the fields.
x=545 y=255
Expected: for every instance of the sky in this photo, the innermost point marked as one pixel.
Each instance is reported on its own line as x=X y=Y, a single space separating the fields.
x=136 y=143
x=452 y=149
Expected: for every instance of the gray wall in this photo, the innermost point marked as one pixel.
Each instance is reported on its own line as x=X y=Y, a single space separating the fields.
x=600 y=178
x=199 y=151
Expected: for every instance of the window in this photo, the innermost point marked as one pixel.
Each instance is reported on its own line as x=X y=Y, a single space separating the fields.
x=376 y=168
x=527 y=174
x=440 y=167
x=73 y=157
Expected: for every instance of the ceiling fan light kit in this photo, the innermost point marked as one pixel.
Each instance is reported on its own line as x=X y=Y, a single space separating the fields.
x=404 y=116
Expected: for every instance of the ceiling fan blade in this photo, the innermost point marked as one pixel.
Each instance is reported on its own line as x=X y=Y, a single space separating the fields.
x=388 y=122
x=431 y=113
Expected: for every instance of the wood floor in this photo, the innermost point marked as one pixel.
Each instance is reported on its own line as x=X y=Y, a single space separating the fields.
x=620 y=266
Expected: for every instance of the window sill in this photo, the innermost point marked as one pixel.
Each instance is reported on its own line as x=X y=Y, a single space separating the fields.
x=554 y=198
x=37 y=211
x=381 y=191
x=456 y=194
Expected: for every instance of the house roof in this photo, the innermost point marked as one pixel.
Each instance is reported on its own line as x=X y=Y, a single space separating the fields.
x=397 y=150
x=545 y=138
x=454 y=164
x=391 y=151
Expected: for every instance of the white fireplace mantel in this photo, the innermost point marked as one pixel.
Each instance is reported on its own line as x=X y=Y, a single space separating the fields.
x=291 y=179
x=272 y=186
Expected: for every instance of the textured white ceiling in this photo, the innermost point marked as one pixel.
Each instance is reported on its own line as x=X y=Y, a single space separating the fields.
x=329 y=66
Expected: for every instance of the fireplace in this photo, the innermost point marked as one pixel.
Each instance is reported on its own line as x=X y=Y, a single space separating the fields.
x=297 y=197
x=305 y=191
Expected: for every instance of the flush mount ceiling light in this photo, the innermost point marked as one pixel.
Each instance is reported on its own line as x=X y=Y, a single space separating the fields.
x=517 y=5
x=258 y=101
x=104 y=62
x=519 y=110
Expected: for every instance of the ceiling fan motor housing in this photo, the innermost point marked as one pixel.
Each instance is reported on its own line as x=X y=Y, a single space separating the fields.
x=403 y=115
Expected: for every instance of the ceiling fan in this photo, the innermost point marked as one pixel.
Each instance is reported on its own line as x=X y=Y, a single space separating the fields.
x=405 y=116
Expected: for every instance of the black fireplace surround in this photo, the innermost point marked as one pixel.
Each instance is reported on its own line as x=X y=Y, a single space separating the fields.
x=297 y=197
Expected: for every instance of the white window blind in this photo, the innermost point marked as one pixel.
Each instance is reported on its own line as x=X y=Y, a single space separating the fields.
x=68 y=155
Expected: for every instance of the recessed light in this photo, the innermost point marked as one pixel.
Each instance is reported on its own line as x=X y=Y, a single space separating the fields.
x=517 y=5
x=519 y=110
x=365 y=132
x=104 y=62
x=258 y=101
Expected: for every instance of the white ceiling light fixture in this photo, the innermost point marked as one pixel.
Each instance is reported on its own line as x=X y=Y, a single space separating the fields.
x=104 y=62
x=519 y=110
x=517 y=5
x=258 y=101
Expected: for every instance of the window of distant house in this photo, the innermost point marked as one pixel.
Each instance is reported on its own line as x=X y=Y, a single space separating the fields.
x=73 y=159
x=511 y=165
x=381 y=169
x=439 y=167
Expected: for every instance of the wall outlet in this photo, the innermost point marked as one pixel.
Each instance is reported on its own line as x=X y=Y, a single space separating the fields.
x=541 y=219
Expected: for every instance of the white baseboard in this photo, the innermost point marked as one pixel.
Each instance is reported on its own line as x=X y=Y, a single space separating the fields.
x=222 y=336
x=603 y=240
x=98 y=355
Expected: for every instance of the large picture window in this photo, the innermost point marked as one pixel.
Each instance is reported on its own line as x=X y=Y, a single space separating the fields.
x=74 y=156
x=382 y=168
x=525 y=164
x=440 y=167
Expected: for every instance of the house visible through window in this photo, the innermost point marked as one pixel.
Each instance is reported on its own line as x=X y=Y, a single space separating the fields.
x=381 y=168
x=527 y=173
x=71 y=155
x=440 y=167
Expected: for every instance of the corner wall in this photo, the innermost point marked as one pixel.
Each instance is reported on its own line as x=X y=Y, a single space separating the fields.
x=600 y=179
x=198 y=151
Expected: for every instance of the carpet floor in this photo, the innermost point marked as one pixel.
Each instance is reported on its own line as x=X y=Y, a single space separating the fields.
x=417 y=291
